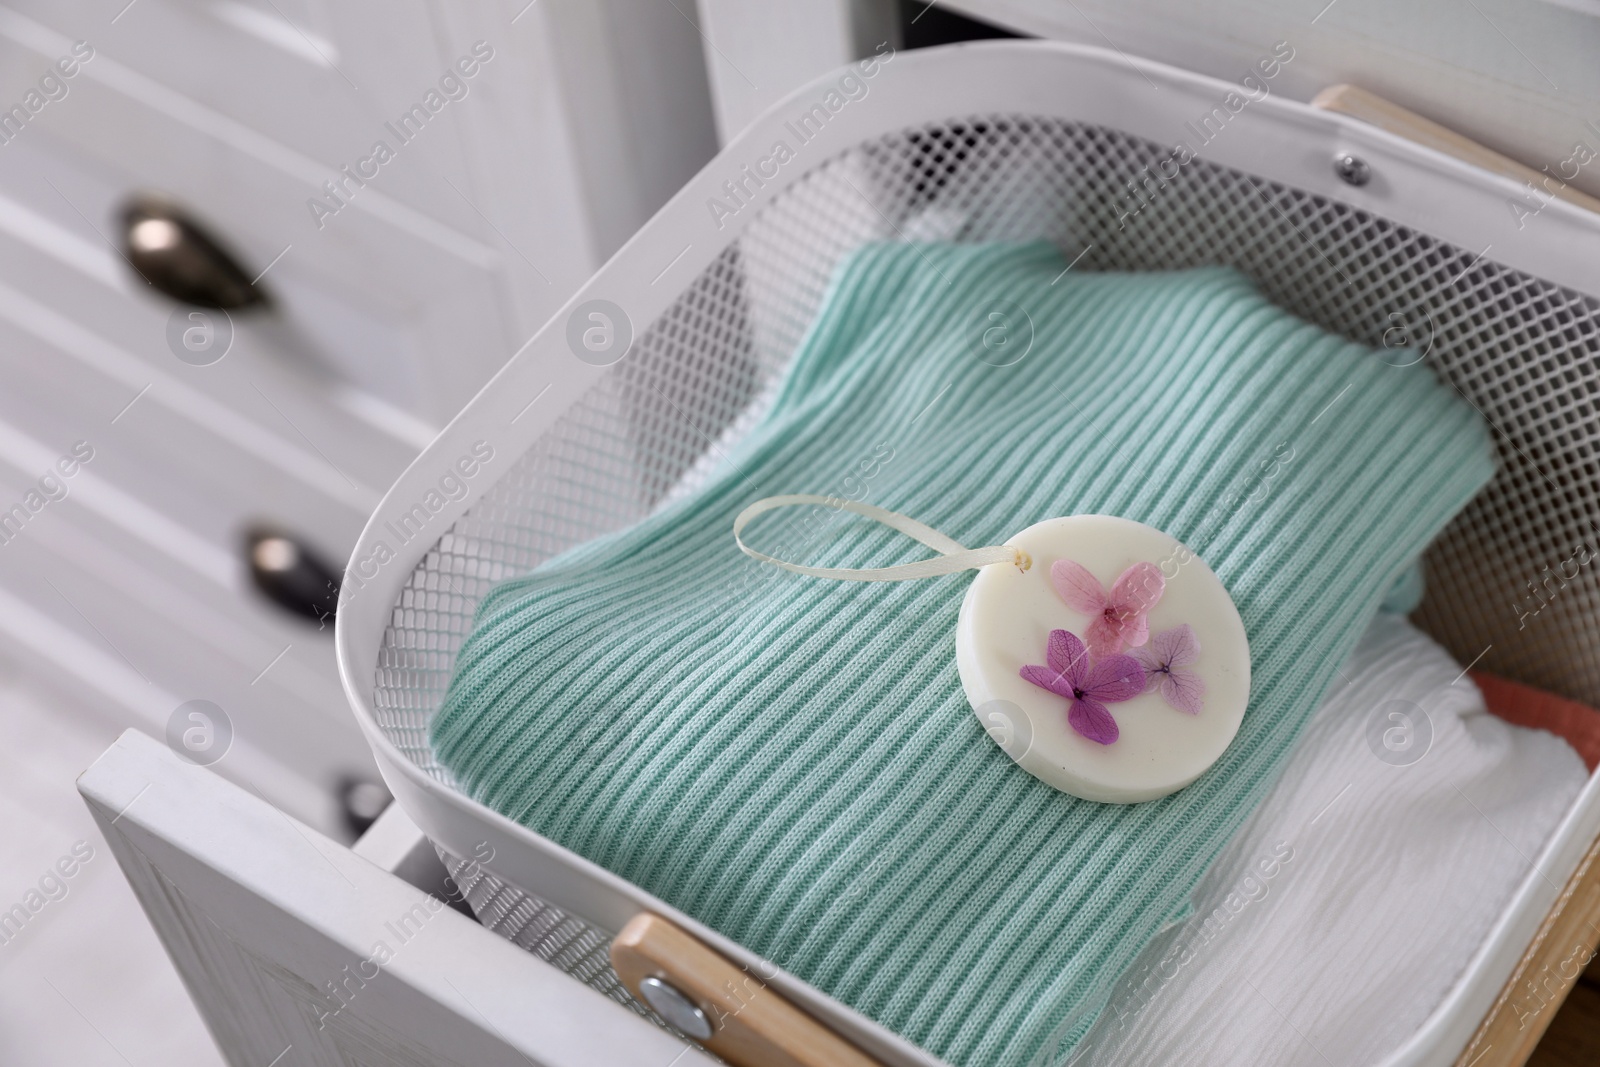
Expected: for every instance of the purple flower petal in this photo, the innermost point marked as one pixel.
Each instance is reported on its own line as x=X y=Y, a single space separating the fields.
x=1114 y=679
x=1066 y=655
x=1184 y=691
x=1176 y=647
x=1081 y=590
x=1093 y=721
x=1046 y=678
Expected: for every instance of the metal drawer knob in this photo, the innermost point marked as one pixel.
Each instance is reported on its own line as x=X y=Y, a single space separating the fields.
x=361 y=801
x=291 y=575
x=179 y=257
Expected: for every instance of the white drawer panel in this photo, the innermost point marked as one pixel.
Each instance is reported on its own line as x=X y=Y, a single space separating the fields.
x=248 y=406
x=250 y=66
x=209 y=569
x=163 y=637
x=396 y=270
x=65 y=285
x=203 y=486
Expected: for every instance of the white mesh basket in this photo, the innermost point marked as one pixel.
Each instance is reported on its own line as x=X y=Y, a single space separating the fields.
x=1006 y=140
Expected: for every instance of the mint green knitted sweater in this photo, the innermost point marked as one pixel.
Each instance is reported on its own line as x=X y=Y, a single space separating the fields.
x=792 y=759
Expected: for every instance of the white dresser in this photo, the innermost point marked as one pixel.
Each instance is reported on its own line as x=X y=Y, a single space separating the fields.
x=522 y=143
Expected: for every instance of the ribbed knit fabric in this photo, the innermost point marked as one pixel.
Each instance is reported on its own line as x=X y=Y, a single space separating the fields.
x=792 y=760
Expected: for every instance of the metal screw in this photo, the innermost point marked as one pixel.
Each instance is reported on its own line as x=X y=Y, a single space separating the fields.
x=1352 y=170
x=681 y=1013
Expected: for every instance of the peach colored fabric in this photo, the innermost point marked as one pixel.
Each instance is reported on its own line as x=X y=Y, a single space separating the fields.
x=1526 y=706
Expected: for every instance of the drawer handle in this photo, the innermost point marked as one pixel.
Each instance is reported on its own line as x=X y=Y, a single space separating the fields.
x=727 y=1009
x=291 y=575
x=179 y=257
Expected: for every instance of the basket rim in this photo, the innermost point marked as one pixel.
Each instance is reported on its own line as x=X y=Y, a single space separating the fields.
x=1419 y=188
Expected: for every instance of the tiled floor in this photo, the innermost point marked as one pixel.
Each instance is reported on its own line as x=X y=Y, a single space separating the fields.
x=84 y=983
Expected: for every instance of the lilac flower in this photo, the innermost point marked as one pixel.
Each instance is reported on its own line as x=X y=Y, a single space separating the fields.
x=1118 y=618
x=1163 y=660
x=1088 y=687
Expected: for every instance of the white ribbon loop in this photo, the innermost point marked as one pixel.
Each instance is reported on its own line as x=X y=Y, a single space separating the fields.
x=952 y=556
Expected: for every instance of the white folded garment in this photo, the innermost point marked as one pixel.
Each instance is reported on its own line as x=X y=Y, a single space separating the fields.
x=1349 y=904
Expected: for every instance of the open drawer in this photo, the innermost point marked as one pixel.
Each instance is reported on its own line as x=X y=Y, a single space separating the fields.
x=1351 y=227
x=286 y=939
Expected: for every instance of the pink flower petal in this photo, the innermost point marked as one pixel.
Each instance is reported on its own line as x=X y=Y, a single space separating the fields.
x=1135 y=630
x=1081 y=590
x=1184 y=691
x=1114 y=679
x=1103 y=636
x=1093 y=721
x=1138 y=589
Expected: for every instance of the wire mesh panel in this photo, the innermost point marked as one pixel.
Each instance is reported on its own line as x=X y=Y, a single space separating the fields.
x=604 y=464
x=1509 y=583
x=577 y=947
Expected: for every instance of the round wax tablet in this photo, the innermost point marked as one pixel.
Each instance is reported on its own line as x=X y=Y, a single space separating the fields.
x=1115 y=668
